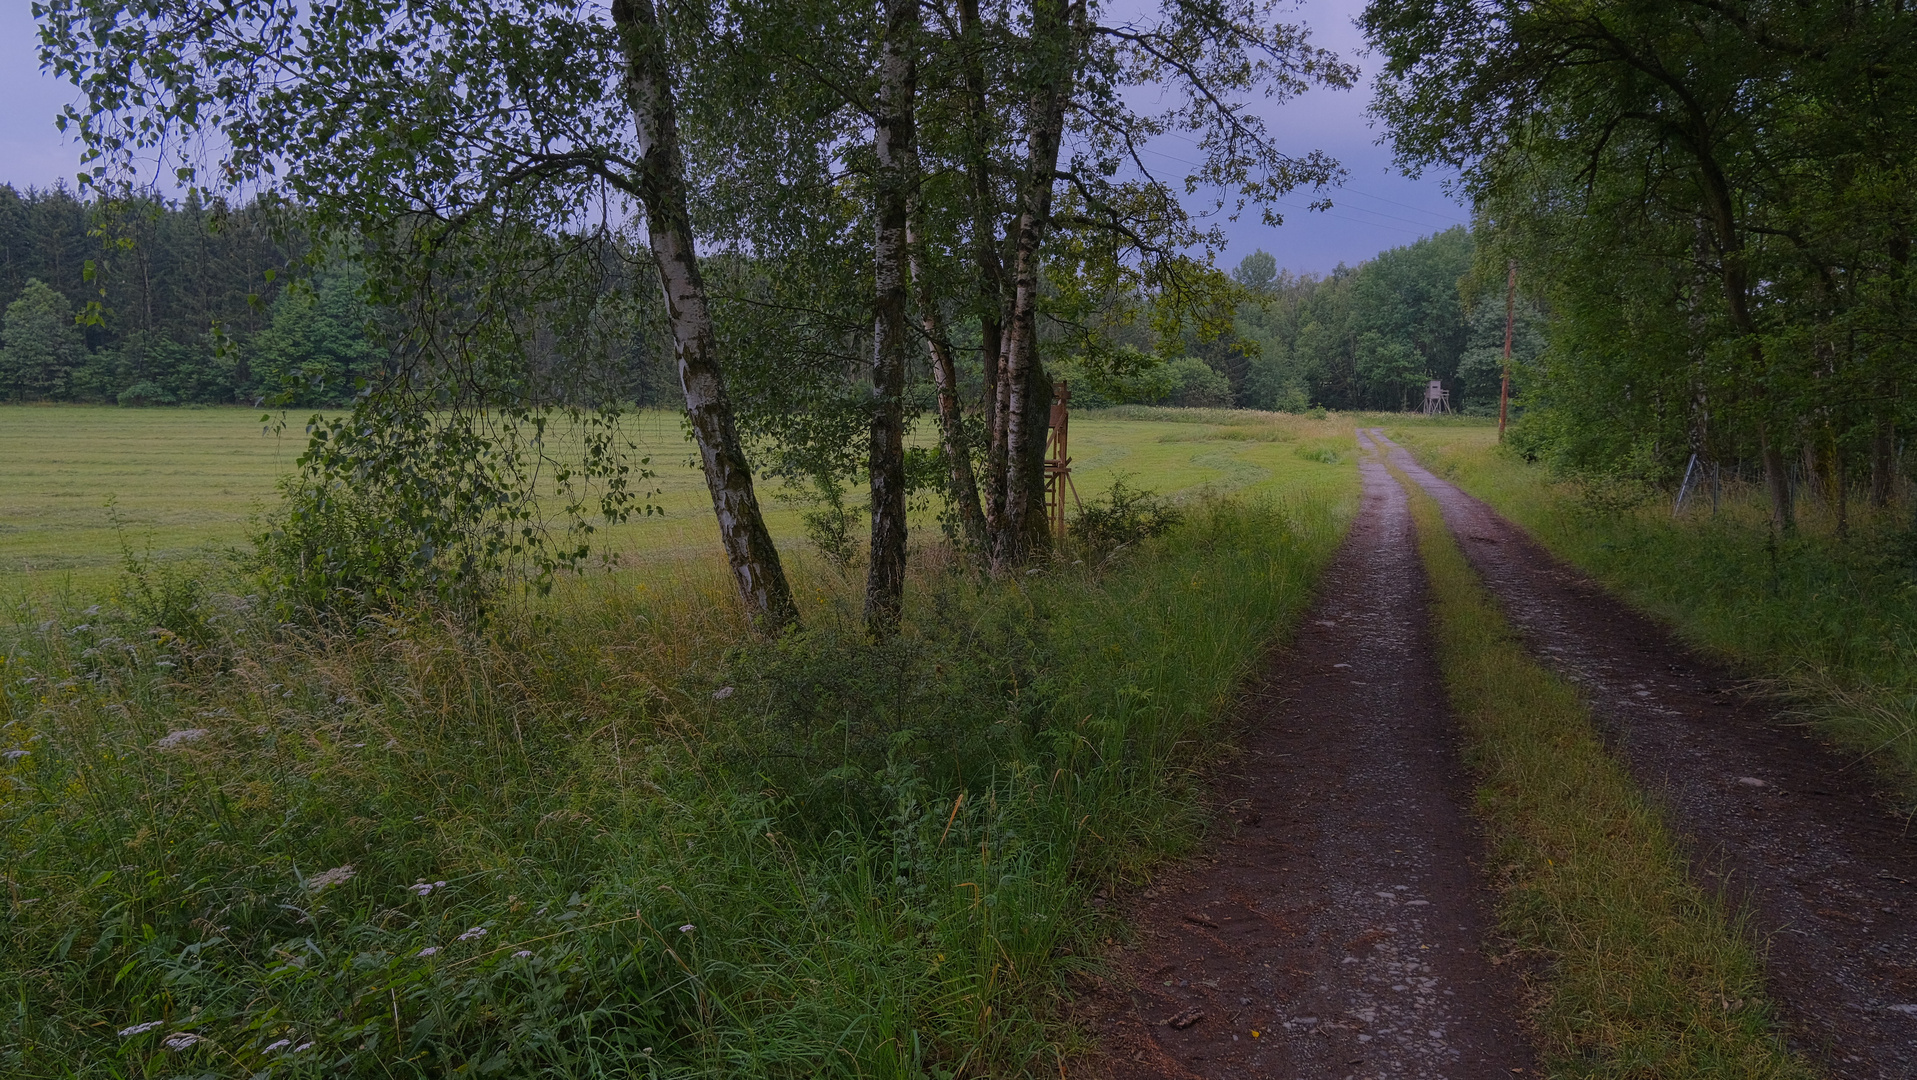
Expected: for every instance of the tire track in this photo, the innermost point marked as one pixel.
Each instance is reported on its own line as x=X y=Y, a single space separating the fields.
x=1776 y=820
x=1344 y=920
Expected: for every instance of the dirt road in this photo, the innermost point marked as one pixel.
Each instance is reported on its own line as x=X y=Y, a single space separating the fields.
x=1775 y=818
x=1343 y=921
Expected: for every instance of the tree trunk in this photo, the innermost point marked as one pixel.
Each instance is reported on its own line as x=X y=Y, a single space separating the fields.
x=661 y=187
x=1840 y=487
x=1777 y=482
x=989 y=270
x=1722 y=215
x=1814 y=469
x=1028 y=468
x=893 y=141
x=1055 y=49
x=952 y=440
x=1883 y=460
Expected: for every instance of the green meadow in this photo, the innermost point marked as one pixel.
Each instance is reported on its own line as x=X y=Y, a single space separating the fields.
x=190 y=482
x=616 y=834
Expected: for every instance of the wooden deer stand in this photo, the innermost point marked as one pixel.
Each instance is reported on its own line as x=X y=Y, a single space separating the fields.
x=1058 y=463
x=1436 y=398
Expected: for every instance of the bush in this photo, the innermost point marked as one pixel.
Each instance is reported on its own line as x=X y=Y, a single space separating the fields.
x=1196 y=385
x=333 y=549
x=146 y=392
x=1122 y=516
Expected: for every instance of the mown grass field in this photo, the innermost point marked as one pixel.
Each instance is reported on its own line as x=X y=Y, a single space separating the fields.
x=184 y=480
x=189 y=482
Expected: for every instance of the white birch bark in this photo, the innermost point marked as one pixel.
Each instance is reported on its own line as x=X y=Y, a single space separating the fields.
x=661 y=187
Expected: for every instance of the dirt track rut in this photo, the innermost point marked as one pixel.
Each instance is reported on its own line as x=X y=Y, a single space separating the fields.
x=1775 y=819
x=1344 y=919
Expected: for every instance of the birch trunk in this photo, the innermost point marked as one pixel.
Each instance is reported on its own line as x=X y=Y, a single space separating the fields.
x=988 y=269
x=661 y=186
x=1777 y=483
x=893 y=138
x=957 y=448
x=1054 y=40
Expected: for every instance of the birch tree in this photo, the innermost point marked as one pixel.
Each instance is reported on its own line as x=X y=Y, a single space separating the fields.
x=460 y=146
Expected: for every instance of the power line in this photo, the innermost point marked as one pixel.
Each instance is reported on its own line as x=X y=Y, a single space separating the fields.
x=1393 y=202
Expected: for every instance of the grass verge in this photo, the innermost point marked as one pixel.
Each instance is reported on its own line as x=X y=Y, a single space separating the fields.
x=1641 y=974
x=1827 y=621
x=612 y=836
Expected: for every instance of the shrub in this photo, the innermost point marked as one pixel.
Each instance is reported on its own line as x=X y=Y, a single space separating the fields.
x=1196 y=385
x=1122 y=516
x=334 y=549
x=146 y=392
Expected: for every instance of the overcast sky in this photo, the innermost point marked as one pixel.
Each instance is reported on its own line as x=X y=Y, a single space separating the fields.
x=1376 y=209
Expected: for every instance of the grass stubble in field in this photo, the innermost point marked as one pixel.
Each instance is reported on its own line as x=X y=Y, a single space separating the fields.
x=1635 y=971
x=611 y=837
x=189 y=483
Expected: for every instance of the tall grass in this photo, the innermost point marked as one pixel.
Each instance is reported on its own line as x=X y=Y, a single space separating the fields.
x=614 y=835
x=1642 y=975
x=1830 y=620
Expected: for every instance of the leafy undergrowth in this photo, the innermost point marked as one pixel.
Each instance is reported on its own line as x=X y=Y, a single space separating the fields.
x=607 y=837
x=1643 y=975
x=1830 y=622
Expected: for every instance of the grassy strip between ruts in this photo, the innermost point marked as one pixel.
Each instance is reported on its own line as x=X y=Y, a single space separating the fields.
x=1642 y=974
x=613 y=836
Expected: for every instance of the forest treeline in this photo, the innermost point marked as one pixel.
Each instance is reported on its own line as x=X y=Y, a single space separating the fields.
x=190 y=304
x=144 y=300
x=1364 y=337
x=1372 y=336
x=1715 y=202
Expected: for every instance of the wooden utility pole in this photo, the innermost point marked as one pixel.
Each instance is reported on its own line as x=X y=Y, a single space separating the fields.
x=1510 y=317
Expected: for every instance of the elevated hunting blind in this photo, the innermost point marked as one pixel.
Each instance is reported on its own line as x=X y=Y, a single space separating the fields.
x=1058 y=463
